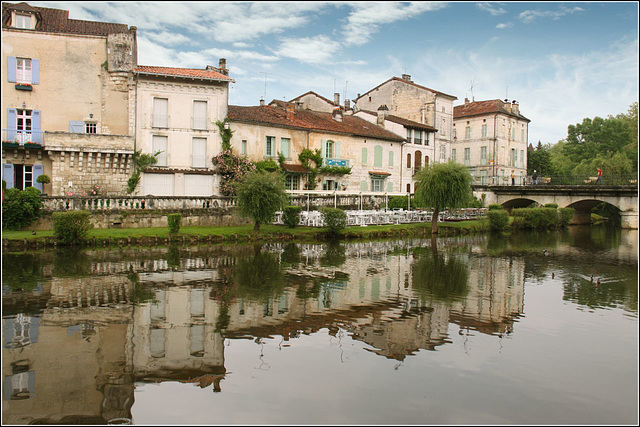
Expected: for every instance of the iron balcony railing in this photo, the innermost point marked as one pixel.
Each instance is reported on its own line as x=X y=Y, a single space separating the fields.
x=555 y=180
x=22 y=137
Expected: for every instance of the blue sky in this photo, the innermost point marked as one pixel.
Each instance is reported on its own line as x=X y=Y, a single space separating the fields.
x=562 y=61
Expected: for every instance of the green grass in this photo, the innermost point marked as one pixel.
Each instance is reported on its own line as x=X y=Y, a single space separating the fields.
x=240 y=231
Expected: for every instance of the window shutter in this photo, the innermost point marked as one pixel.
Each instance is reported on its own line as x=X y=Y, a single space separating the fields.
x=336 y=149
x=37 y=171
x=36 y=126
x=7 y=174
x=35 y=71
x=390 y=158
x=390 y=187
x=199 y=153
x=364 y=156
x=12 y=65
x=284 y=147
x=76 y=126
x=324 y=149
x=363 y=186
x=12 y=116
x=377 y=156
x=159 y=143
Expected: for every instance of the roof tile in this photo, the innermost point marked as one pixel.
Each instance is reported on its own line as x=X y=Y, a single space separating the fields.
x=181 y=72
x=476 y=108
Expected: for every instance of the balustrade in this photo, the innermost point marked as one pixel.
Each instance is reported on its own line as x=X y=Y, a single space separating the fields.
x=112 y=203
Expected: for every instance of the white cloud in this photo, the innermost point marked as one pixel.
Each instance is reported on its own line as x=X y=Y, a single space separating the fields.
x=308 y=49
x=167 y=38
x=241 y=45
x=366 y=18
x=488 y=7
x=504 y=25
x=529 y=16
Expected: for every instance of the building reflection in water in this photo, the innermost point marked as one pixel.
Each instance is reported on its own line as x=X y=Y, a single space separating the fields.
x=163 y=315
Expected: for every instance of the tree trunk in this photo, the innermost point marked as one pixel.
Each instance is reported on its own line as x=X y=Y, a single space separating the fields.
x=256 y=227
x=434 y=221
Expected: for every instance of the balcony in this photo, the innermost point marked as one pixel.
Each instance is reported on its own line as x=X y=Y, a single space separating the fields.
x=12 y=138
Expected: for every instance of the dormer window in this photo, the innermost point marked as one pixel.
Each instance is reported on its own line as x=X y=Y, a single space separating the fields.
x=22 y=20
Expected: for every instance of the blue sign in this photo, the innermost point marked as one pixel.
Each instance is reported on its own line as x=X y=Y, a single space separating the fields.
x=336 y=162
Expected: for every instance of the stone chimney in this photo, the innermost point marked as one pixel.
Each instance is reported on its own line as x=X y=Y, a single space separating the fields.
x=336 y=98
x=382 y=114
x=347 y=105
x=299 y=105
x=222 y=65
x=514 y=107
x=407 y=77
x=507 y=105
x=261 y=102
x=291 y=112
x=337 y=114
x=466 y=100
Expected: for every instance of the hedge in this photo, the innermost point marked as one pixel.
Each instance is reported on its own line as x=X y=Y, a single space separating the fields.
x=498 y=219
x=71 y=228
x=564 y=216
x=291 y=216
x=536 y=218
x=335 y=220
x=20 y=208
x=174 y=222
x=495 y=207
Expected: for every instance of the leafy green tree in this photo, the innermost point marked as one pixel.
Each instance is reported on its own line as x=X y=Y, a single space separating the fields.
x=539 y=160
x=20 y=208
x=442 y=186
x=260 y=195
x=440 y=277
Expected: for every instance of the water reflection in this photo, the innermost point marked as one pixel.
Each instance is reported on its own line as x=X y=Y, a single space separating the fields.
x=81 y=329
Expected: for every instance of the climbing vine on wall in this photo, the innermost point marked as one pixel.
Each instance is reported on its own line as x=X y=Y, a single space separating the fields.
x=307 y=156
x=140 y=163
x=231 y=169
x=225 y=134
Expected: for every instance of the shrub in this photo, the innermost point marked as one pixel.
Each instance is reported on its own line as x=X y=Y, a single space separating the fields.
x=398 y=202
x=174 y=222
x=70 y=228
x=335 y=220
x=498 y=219
x=536 y=218
x=551 y=205
x=260 y=195
x=291 y=216
x=495 y=206
x=268 y=165
x=20 y=208
x=564 y=216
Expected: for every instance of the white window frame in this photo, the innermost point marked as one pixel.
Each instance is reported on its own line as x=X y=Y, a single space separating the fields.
x=22 y=21
x=199 y=122
x=24 y=70
x=88 y=126
x=270 y=146
x=484 y=131
x=330 y=149
x=467 y=132
x=467 y=156
x=377 y=185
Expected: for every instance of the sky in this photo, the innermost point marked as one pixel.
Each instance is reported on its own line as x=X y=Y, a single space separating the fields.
x=561 y=61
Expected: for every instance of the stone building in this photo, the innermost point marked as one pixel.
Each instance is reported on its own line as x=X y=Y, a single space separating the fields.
x=66 y=101
x=312 y=101
x=417 y=103
x=176 y=115
x=490 y=138
x=419 y=148
x=370 y=151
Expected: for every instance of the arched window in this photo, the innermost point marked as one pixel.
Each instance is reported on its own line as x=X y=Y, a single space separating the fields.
x=418 y=160
x=408 y=160
x=408 y=188
x=426 y=161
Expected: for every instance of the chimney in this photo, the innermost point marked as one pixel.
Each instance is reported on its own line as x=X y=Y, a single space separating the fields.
x=261 y=102
x=407 y=77
x=514 y=107
x=466 y=100
x=337 y=114
x=222 y=65
x=336 y=98
x=347 y=105
x=299 y=105
x=507 y=105
x=290 y=108
x=382 y=114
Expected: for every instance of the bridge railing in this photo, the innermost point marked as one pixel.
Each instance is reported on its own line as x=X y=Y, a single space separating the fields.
x=609 y=180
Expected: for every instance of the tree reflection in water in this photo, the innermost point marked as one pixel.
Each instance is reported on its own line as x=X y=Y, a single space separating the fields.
x=258 y=277
x=21 y=272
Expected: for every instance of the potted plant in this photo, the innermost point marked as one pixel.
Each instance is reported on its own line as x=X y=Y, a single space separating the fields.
x=43 y=179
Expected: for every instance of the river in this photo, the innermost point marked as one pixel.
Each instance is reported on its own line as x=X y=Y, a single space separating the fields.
x=533 y=328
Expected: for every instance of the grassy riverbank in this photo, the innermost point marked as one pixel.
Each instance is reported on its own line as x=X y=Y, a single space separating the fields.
x=245 y=233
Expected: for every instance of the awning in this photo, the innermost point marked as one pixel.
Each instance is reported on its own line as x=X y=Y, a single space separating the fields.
x=294 y=168
x=379 y=173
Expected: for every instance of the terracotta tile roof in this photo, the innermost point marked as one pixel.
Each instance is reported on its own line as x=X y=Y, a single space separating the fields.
x=404 y=122
x=477 y=108
x=57 y=21
x=182 y=72
x=315 y=94
x=398 y=79
x=379 y=173
x=271 y=115
x=294 y=168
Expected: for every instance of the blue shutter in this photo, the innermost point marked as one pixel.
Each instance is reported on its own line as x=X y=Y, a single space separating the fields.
x=35 y=71
x=336 y=150
x=36 y=127
x=37 y=171
x=11 y=69
x=12 y=117
x=76 y=126
x=363 y=186
x=7 y=174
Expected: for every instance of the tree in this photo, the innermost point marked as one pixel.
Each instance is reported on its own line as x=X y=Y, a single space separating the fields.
x=443 y=185
x=539 y=160
x=260 y=195
x=231 y=169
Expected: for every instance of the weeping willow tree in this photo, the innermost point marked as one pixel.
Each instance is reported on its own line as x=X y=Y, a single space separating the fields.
x=439 y=276
x=443 y=186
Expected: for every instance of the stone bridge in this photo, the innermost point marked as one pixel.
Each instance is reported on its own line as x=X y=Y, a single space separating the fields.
x=582 y=198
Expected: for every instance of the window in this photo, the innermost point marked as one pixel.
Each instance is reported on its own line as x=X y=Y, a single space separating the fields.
x=454 y=133
x=292 y=182
x=329 y=150
x=90 y=127
x=467 y=156
x=270 y=146
x=453 y=154
x=159 y=143
x=23 y=122
x=199 y=152
x=23 y=70
x=377 y=184
x=426 y=138
x=513 y=133
x=329 y=184
x=483 y=155
x=243 y=148
x=484 y=131
x=467 y=132
x=199 y=115
x=443 y=153
x=23 y=21
x=512 y=157
x=521 y=158
x=522 y=135
x=408 y=160
x=515 y=157
x=160 y=113
x=284 y=147
x=444 y=127
x=417 y=136
x=408 y=135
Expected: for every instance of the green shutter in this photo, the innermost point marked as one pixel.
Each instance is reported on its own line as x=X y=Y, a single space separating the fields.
x=324 y=149
x=364 y=156
x=363 y=185
x=390 y=158
x=390 y=187
x=377 y=156
x=336 y=149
